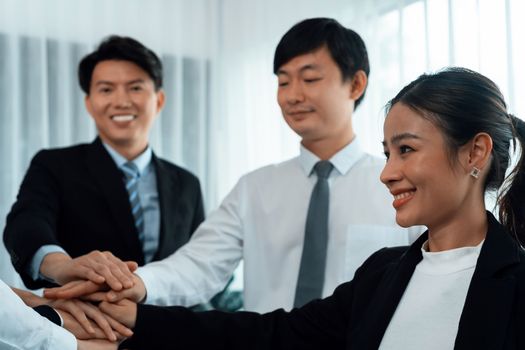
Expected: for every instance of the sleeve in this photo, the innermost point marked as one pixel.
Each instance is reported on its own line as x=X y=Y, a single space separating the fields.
x=198 y=216
x=320 y=324
x=32 y=221
x=23 y=328
x=201 y=268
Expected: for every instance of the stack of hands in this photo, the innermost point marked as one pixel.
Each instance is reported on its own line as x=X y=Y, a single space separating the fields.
x=97 y=297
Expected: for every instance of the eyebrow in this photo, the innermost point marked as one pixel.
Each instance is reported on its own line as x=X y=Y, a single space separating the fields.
x=107 y=82
x=302 y=69
x=396 y=139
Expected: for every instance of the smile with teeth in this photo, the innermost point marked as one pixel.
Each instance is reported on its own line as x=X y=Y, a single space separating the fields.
x=402 y=198
x=123 y=118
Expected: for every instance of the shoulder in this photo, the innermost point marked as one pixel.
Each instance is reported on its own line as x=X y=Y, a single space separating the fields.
x=63 y=154
x=380 y=261
x=167 y=167
x=369 y=162
x=288 y=167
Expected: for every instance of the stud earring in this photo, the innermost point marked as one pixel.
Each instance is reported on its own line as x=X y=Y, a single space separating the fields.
x=475 y=172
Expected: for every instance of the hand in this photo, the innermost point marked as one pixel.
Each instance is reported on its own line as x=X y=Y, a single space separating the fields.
x=124 y=311
x=75 y=289
x=89 y=290
x=72 y=325
x=85 y=314
x=98 y=267
x=96 y=345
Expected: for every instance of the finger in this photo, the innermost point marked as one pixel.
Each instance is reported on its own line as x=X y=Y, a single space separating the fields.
x=74 y=289
x=119 y=327
x=120 y=270
x=114 y=296
x=95 y=297
x=132 y=266
x=76 y=311
x=103 y=270
x=94 y=276
x=94 y=314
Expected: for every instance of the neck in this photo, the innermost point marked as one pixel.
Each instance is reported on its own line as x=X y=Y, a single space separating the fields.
x=465 y=229
x=128 y=150
x=326 y=148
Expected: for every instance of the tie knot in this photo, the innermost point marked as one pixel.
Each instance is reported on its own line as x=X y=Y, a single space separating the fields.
x=323 y=168
x=130 y=170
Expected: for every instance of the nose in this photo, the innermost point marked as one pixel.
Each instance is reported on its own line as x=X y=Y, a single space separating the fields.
x=391 y=172
x=122 y=99
x=295 y=93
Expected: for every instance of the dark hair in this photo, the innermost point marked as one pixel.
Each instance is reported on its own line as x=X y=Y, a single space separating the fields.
x=345 y=46
x=463 y=103
x=120 y=48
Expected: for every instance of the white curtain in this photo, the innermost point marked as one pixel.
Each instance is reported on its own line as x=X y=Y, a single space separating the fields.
x=41 y=105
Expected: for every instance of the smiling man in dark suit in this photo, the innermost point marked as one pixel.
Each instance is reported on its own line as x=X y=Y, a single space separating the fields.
x=80 y=208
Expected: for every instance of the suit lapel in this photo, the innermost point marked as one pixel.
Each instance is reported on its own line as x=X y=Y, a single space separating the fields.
x=387 y=296
x=490 y=300
x=169 y=192
x=109 y=179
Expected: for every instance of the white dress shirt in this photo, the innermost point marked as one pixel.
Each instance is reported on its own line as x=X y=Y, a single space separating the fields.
x=262 y=221
x=428 y=314
x=24 y=329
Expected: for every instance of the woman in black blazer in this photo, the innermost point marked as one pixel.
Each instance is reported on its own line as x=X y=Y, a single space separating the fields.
x=461 y=285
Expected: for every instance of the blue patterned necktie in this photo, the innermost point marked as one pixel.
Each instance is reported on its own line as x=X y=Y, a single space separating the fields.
x=131 y=179
x=313 y=260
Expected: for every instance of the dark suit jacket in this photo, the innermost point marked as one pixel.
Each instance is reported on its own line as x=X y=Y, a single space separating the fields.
x=358 y=313
x=75 y=197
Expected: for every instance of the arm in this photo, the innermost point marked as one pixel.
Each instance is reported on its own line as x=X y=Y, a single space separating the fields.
x=32 y=220
x=192 y=275
x=18 y=321
x=201 y=268
x=32 y=224
x=83 y=319
x=320 y=324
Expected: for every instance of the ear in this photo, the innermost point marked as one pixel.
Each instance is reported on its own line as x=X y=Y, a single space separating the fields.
x=87 y=103
x=358 y=86
x=480 y=151
x=161 y=98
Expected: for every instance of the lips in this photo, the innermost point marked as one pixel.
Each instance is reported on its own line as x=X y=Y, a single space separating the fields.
x=401 y=197
x=299 y=110
x=123 y=118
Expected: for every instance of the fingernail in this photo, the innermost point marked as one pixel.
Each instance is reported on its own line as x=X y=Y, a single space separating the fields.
x=112 y=296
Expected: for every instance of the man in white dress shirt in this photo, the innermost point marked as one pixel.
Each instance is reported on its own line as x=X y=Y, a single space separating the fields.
x=322 y=70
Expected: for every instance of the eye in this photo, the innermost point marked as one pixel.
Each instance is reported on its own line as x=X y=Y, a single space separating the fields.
x=104 y=90
x=311 y=80
x=283 y=84
x=136 y=88
x=387 y=154
x=405 y=149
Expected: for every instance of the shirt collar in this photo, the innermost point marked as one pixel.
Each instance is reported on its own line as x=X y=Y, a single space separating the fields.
x=142 y=161
x=342 y=160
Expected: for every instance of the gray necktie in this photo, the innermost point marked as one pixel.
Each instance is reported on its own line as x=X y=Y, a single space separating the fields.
x=313 y=261
x=131 y=178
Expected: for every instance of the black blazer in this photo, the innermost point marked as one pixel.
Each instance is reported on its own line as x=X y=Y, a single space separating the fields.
x=75 y=197
x=358 y=313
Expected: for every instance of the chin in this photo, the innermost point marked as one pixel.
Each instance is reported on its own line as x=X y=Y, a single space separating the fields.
x=404 y=221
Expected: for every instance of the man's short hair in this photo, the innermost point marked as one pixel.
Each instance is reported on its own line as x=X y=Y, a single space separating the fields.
x=120 y=48
x=345 y=46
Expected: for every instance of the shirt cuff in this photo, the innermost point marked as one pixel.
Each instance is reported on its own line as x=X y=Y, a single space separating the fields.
x=50 y=313
x=38 y=258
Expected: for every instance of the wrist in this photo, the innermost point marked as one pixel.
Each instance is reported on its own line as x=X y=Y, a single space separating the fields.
x=50 y=267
